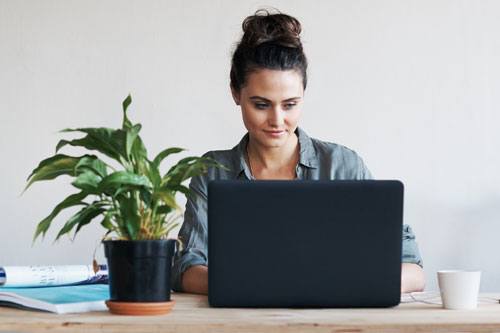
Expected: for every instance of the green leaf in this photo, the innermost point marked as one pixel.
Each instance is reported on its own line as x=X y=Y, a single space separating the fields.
x=107 y=141
x=53 y=167
x=88 y=219
x=164 y=154
x=140 y=157
x=179 y=169
x=167 y=197
x=129 y=212
x=153 y=174
x=125 y=104
x=139 y=151
x=163 y=210
x=178 y=188
x=145 y=197
x=123 y=180
x=72 y=200
x=186 y=169
x=132 y=134
x=84 y=216
x=87 y=181
x=91 y=163
x=106 y=221
x=188 y=160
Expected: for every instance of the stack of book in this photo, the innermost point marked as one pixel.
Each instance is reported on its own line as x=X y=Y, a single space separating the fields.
x=58 y=289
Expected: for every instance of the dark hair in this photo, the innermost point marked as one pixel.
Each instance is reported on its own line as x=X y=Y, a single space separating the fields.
x=270 y=41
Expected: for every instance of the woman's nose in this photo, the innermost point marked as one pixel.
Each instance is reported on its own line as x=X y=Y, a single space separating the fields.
x=276 y=116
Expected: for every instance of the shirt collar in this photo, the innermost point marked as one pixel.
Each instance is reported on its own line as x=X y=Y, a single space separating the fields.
x=307 y=154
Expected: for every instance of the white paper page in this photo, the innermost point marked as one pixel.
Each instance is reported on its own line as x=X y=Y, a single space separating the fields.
x=38 y=276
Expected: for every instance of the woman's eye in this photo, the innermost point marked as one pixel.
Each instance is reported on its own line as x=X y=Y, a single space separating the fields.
x=262 y=106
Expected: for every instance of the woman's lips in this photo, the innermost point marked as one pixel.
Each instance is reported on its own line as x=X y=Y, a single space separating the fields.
x=275 y=134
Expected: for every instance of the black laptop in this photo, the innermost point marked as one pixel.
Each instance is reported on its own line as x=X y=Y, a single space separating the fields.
x=304 y=243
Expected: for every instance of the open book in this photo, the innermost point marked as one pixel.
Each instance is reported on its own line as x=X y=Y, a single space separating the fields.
x=44 y=276
x=61 y=299
x=59 y=289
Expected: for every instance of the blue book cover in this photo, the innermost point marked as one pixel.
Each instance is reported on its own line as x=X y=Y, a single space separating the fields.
x=62 y=299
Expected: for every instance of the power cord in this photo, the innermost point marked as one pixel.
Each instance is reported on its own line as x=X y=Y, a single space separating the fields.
x=428 y=300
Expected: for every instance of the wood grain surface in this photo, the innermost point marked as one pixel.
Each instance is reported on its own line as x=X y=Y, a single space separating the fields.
x=192 y=314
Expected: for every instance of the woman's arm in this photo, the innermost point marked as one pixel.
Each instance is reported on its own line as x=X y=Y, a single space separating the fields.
x=193 y=233
x=412 y=278
x=195 y=280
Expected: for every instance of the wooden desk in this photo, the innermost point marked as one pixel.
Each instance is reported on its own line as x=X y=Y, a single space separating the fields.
x=192 y=314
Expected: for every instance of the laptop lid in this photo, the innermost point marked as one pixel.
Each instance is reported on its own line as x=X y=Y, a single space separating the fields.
x=304 y=243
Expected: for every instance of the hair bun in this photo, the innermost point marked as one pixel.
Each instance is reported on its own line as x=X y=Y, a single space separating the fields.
x=263 y=27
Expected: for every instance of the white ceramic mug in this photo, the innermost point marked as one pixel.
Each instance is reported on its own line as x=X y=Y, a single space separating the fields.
x=459 y=288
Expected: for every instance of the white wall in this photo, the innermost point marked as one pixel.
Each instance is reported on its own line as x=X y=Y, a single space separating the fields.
x=413 y=86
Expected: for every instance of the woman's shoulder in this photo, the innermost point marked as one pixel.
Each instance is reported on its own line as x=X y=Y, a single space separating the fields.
x=228 y=158
x=225 y=157
x=220 y=155
x=342 y=162
x=326 y=149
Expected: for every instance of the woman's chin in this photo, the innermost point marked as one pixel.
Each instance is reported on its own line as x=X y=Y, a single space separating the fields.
x=273 y=141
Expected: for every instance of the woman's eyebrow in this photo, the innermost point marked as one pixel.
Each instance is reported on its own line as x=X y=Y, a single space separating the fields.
x=265 y=99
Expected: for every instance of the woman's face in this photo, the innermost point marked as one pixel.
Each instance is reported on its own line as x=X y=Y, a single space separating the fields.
x=271 y=104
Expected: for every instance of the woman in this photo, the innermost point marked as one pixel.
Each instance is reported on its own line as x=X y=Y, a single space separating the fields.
x=268 y=79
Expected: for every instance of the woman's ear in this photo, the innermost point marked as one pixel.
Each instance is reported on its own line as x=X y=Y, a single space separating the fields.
x=236 y=96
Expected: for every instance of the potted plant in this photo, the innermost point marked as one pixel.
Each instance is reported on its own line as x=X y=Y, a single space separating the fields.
x=136 y=205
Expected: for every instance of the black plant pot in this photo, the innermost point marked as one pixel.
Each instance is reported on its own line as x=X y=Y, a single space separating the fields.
x=139 y=271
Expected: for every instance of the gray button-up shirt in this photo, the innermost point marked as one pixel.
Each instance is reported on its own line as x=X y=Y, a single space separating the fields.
x=318 y=160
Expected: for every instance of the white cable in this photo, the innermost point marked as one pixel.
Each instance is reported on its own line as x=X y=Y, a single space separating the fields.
x=481 y=300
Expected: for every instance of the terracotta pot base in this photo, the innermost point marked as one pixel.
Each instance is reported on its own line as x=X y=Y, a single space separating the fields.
x=140 y=308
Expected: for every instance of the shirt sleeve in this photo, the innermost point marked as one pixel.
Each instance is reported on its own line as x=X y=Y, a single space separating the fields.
x=411 y=254
x=410 y=251
x=193 y=232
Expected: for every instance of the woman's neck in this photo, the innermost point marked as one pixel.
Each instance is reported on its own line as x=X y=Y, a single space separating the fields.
x=273 y=161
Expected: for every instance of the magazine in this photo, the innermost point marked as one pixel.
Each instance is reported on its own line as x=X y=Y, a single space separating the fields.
x=60 y=299
x=58 y=289
x=44 y=276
